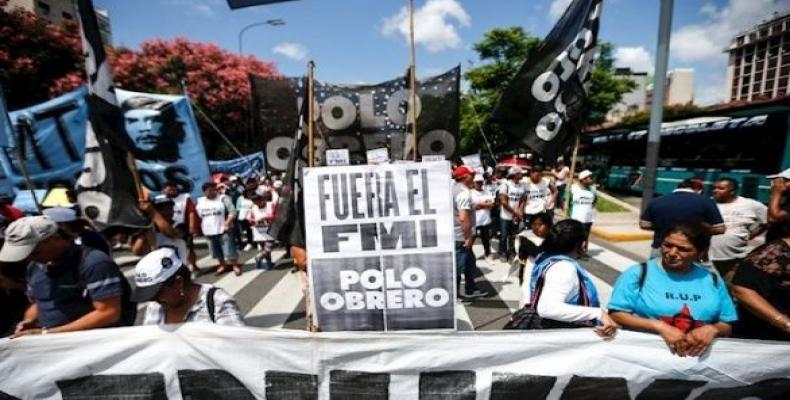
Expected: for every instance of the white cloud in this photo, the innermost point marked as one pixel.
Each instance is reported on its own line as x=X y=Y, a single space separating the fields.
x=201 y=7
x=637 y=58
x=294 y=51
x=435 y=24
x=707 y=41
x=558 y=7
x=710 y=92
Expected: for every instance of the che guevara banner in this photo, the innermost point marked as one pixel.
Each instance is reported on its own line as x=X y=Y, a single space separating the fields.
x=358 y=117
x=542 y=106
x=206 y=361
x=162 y=130
x=380 y=246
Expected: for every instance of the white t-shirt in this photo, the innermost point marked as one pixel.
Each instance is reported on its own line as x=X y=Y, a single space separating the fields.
x=562 y=175
x=226 y=310
x=260 y=219
x=243 y=206
x=462 y=200
x=538 y=195
x=514 y=191
x=482 y=215
x=740 y=217
x=212 y=214
x=560 y=285
x=582 y=200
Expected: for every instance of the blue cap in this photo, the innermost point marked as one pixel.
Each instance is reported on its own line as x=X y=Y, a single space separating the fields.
x=61 y=214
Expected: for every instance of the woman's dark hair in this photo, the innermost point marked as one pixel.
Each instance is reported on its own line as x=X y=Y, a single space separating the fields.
x=543 y=217
x=208 y=185
x=565 y=237
x=696 y=232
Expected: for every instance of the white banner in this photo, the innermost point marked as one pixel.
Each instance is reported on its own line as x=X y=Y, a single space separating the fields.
x=380 y=246
x=204 y=361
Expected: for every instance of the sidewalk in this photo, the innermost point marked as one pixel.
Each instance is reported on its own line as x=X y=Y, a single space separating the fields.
x=621 y=229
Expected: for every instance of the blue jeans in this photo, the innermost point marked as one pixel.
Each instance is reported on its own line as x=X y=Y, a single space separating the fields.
x=464 y=263
x=223 y=246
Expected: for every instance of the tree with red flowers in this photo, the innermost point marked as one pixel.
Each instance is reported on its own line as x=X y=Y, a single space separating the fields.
x=217 y=82
x=38 y=60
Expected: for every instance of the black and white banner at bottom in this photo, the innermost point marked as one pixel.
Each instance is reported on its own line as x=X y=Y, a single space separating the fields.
x=203 y=361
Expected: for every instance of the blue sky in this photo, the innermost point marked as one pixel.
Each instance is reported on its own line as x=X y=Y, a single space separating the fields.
x=355 y=41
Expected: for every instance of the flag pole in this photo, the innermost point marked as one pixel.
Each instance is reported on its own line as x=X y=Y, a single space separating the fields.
x=657 y=108
x=569 y=187
x=20 y=151
x=412 y=82
x=310 y=111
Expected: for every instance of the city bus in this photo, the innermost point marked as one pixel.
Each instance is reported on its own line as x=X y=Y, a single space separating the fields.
x=745 y=143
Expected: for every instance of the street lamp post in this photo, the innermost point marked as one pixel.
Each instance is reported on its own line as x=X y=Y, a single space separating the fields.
x=272 y=22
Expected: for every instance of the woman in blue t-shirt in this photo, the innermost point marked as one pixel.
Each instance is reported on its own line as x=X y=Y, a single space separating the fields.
x=674 y=296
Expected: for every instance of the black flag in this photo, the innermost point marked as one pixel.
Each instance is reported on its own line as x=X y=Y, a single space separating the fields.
x=543 y=105
x=105 y=189
x=234 y=4
x=288 y=225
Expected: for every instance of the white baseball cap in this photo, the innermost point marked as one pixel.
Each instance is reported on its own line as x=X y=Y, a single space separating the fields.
x=22 y=236
x=515 y=170
x=152 y=271
x=479 y=178
x=584 y=174
x=784 y=174
x=277 y=184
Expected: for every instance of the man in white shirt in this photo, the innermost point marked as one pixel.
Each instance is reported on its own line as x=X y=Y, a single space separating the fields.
x=744 y=219
x=463 y=212
x=583 y=199
x=539 y=194
x=483 y=201
x=217 y=215
x=561 y=173
x=510 y=194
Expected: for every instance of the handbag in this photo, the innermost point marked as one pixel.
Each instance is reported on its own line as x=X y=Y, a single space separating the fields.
x=527 y=318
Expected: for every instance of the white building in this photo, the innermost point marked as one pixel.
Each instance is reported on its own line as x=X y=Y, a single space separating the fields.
x=759 y=64
x=633 y=101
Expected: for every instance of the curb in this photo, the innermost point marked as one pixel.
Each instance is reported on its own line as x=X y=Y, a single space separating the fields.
x=630 y=236
x=617 y=201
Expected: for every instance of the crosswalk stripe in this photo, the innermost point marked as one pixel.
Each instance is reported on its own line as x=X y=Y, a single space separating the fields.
x=610 y=258
x=274 y=299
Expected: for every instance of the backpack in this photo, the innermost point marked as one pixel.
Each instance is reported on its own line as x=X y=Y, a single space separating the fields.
x=643 y=276
x=128 y=307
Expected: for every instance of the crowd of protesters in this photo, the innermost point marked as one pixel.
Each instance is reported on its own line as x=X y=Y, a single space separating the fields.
x=58 y=273
x=706 y=277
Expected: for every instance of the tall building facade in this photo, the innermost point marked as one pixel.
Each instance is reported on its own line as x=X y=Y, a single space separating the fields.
x=680 y=87
x=61 y=11
x=759 y=61
x=633 y=101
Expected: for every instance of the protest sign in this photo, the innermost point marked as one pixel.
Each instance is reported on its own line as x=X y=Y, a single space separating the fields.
x=377 y=156
x=473 y=161
x=161 y=362
x=337 y=157
x=248 y=166
x=433 y=157
x=162 y=130
x=380 y=246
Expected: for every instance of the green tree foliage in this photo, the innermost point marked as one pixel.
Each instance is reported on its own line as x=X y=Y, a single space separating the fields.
x=502 y=52
x=670 y=113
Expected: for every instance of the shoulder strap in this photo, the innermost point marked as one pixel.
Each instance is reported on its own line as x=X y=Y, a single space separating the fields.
x=715 y=278
x=643 y=275
x=210 y=302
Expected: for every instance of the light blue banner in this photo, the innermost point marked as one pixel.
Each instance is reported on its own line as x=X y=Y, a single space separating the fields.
x=162 y=127
x=244 y=167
